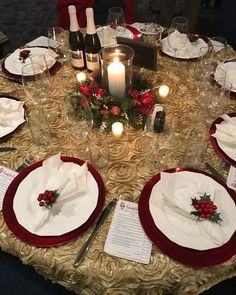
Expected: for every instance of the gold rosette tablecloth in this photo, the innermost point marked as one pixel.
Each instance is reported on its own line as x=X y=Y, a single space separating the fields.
x=129 y=169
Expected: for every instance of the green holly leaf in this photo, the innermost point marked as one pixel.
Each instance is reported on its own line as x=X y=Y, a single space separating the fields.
x=195 y=213
x=194 y=200
x=216 y=217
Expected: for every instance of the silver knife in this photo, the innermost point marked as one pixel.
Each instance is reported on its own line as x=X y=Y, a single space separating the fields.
x=214 y=172
x=7 y=149
x=91 y=237
x=11 y=79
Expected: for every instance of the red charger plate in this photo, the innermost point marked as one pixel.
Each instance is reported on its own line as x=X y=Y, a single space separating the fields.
x=49 y=241
x=52 y=70
x=215 y=144
x=179 y=253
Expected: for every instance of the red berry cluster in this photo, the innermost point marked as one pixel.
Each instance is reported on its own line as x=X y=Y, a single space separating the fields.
x=48 y=198
x=205 y=209
x=24 y=54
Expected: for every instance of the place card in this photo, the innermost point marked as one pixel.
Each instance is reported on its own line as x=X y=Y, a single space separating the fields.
x=126 y=237
x=231 y=180
x=6 y=177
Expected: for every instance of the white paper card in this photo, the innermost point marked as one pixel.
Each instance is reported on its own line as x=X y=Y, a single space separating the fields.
x=231 y=180
x=6 y=177
x=126 y=237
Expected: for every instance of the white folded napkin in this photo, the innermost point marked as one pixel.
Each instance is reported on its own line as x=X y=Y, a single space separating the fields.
x=70 y=181
x=226 y=131
x=177 y=199
x=14 y=65
x=43 y=41
x=190 y=50
x=11 y=115
x=230 y=70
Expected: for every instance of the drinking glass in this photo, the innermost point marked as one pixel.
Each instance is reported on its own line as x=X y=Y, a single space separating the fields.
x=215 y=93
x=116 y=22
x=35 y=82
x=177 y=34
x=203 y=64
x=41 y=60
x=38 y=125
x=99 y=153
x=78 y=116
x=195 y=149
x=59 y=35
x=159 y=130
x=220 y=46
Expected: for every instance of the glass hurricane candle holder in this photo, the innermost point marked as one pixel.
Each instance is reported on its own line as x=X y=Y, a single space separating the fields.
x=116 y=69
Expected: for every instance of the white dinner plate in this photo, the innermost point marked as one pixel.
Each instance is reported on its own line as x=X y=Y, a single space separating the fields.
x=229 y=152
x=230 y=69
x=190 y=50
x=186 y=231
x=72 y=214
x=14 y=66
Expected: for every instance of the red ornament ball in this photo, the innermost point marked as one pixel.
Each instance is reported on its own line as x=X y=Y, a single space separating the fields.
x=115 y=111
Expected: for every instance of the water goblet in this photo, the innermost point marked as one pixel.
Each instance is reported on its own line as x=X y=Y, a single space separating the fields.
x=41 y=60
x=116 y=22
x=159 y=129
x=58 y=35
x=78 y=116
x=220 y=46
x=35 y=82
x=177 y=34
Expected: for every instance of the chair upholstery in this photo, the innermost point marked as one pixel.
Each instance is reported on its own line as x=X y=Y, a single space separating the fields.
x=100 y=11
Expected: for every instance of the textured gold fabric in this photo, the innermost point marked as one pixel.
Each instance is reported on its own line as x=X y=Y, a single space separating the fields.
x=130 y=167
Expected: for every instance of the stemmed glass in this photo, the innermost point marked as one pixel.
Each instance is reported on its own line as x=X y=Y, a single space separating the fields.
x=159 y=129
x=215 y=93
x=35 y=82
x=58 y=40
x=177 y=34
x=78 y=116
x=220 y=46
x=116 y=22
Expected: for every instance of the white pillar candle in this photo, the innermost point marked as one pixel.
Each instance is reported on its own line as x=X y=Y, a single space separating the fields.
x=116 y=78
x=117 y=129
x=164 y=91
x=81 y=77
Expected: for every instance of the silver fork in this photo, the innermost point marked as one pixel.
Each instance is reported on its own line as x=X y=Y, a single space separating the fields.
x=28 y=161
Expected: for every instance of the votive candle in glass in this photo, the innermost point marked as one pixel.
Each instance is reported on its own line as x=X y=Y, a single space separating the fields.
x=117 y=129
x=164 y=91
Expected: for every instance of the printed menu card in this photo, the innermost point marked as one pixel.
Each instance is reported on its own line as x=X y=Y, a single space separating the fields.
x=6 y=177
x=126 y=237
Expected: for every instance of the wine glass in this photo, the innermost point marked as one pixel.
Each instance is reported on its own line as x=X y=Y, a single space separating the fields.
x=220 y=46
x=177 y=34
x=78 y=116
x=41 y=60
x=159 y=129
x=58 y=40
x=116 y=22
x=36 y=83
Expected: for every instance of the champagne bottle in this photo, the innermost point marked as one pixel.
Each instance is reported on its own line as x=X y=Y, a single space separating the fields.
x=76 y=41
x=92 y=42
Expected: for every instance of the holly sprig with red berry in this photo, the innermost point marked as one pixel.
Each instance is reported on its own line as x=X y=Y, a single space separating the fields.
x=107 y=109
x=205 y=209
x=48 y=198
x=24 y=54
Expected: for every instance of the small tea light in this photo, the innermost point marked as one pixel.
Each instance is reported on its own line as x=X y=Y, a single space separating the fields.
x=164 y=91
x=117 y=129
x=81 y=77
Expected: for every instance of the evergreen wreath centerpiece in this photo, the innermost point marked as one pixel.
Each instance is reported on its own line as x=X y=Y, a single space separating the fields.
x=133 y=109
